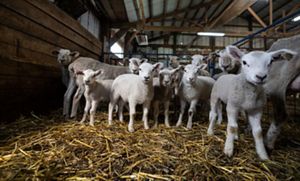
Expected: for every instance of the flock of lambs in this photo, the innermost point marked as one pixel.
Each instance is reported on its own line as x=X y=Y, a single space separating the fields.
x=257 y=75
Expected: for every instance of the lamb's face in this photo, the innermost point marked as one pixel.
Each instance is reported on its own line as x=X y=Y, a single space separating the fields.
x=134 y=64
x=190 y=74
x=197 y=60
x=174 y=62
x=165 y=77
x=256 y=66
x=63 y=56
x=176 y=78
x=146 y=71
x=226 y=63
x=89 y=76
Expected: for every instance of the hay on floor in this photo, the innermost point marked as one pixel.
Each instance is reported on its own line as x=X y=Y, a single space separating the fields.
x=41 y=147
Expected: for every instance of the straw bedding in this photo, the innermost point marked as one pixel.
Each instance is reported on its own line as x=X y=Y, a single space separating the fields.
x=49 y=148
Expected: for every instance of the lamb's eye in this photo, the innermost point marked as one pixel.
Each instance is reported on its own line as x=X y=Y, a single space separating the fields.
x=140 y=69
x=244 y=62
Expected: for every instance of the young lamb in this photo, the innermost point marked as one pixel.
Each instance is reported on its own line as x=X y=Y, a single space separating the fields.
x=174 y=63
x=163 y=93
x=197 y=60
x=227 y=64
x=65 y=57
x=95 y=91
x=109 y=72
x=243 y=92
x=134 y=89
x=192 y=89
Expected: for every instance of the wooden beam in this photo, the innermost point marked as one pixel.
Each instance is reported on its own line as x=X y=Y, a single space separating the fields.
x=186 y=13
x=172 y=28
x=231 y=12
x=108 y=9
x=260 y=21
x=200 y=5
x=270 y=12
x=142 y=11
x=136 y=7
x=117 y=36
x=158 y=37
x=195 y=13
x=176 y=9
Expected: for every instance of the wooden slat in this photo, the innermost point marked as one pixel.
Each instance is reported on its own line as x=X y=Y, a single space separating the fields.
x=39 y=17
x=65 y=19
x=26 y=26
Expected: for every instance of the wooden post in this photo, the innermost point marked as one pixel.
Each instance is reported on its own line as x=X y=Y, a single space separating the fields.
x=270 y=12
x=250 y=28
x=174 y=42
x=212 y=43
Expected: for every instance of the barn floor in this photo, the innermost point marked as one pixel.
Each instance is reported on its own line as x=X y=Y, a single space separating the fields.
x=49 y=148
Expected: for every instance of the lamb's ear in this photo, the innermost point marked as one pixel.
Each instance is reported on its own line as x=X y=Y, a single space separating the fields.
x=121 y=64
x=97 y=72
x=234 y=52
x=55 y=52
x=144 y=60
x=202 y=66
x=282 y=54
x=157 y=66
x=75 y=54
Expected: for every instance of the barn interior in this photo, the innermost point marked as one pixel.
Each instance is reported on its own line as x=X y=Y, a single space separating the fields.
x=38 y=142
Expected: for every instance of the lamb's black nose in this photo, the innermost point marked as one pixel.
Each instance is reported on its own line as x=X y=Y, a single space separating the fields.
x=261 y=77
x=146 y=78
x=226 y=67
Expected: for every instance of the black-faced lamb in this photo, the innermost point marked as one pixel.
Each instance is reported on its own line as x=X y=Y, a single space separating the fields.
x=163 y=92
x=243 y=92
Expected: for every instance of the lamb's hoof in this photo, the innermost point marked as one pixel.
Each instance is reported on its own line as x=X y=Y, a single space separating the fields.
x=92 y=125
x=236 y=137
x=264 y=157
x=210 y=132
x=168 y=126
x=81 y=122
x=155 y=126
x=109 y=122
x=131 y=130
x=228 y=152
x=219 y=122
x=121 y=121
x=189 y=126
x=146 y=127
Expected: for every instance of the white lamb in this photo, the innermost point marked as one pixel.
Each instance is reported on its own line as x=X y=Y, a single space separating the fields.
x=134 y=89
x=243 y=92
x=95 y=91
x=192 y=89
x=197 y=59
x=163 y=93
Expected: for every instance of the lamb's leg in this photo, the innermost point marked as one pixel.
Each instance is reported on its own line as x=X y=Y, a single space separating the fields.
x=120 y=111
x=86 y=109
x=155 y=112
x=219 y=110
x=232 y=130
x=131 y=116
x=167 y=105
x=280 y=116
x=146 y=107
x=214 y=104
x=76 y=99
x=255 y=122
x=68 y=97
x=93 y=111
x=111 y=106
x=182 y=108
x=191 y=112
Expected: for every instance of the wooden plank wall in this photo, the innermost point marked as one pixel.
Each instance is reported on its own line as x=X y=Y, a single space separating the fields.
x=29 y=74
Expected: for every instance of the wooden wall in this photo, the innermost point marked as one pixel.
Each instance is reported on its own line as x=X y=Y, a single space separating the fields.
x=29 y=75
